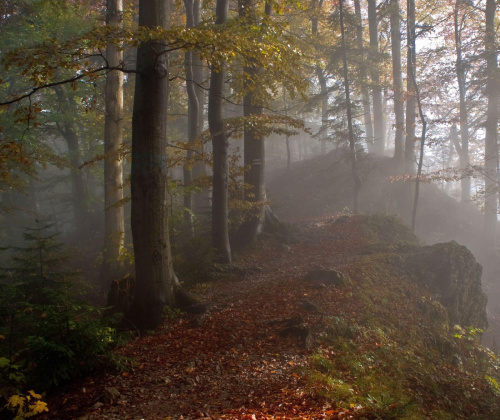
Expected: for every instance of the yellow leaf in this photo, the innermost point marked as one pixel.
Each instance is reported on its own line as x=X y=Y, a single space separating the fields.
x=35 y=395
x=16 y=401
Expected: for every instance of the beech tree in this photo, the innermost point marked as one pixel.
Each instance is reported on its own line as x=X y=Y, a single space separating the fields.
x=378 y=108
x=491 y=142
x=411 y=59
x=155 y=281
x=397 y=81
x=67 y=127
x=114 y=223
x=460 y=67
x=367 y=114
x=220 y=227
x=352 y=142
x=193 y=123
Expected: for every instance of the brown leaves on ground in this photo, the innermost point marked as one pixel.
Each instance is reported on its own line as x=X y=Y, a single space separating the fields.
x=233 y=363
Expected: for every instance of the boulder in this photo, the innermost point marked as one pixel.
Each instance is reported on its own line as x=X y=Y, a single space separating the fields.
x=328 y=277
x=451 y=272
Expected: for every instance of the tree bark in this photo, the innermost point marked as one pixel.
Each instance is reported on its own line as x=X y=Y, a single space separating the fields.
x=321 y=79
x=114 y=225
x=411 y=59
x=155 y=280
x=78 y=185
x=287 y=137
x=378 y=109
x=201 y=200
x=367 y=113
x=397 y=82
x=352 y=145
x=193 y=126
x=254 y=143
x=491 y=146
x=220 y=229
x=463 y=151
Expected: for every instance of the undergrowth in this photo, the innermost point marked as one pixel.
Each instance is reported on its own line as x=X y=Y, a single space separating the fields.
x=397 y=357
x=48 y=333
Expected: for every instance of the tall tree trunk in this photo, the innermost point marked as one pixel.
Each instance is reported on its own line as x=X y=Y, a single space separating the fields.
x=491 y=146
x=352 y=145
x=321 y=79
x=413 y=75
x=201 y=199
x=69 y=131
x=378 y=109
x=411 y=59
x=254 y=143
x=114 y=225
x=324 y=107
x=397 y=82
x=287 y=137
x=463 y=150
x=154 y=277
x=220 y=229
x=367 y=114
x=193 y=125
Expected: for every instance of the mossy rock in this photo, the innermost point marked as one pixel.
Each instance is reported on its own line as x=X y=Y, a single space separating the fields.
x=450 y=271
x=329 y=277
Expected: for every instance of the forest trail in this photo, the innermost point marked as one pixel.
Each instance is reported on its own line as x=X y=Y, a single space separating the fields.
x=238 y=361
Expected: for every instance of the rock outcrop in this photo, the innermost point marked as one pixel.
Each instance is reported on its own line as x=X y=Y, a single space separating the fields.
x=451 y=272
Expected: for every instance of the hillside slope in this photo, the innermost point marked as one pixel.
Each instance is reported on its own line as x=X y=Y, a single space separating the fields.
x=281 y=343
x=323 y=185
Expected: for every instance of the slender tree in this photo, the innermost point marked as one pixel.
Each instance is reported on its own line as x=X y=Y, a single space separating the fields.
x=491 y=146
x=220 y=229
x=316 y=8
x=193 y=123
x=69 y=130
x=367 y=113
x=114 y=225
x=201 y=200
x=411 y=59
x=397 y=81
x=460 y=67
x=378 y=108
x=352 y=144
x=254 y=142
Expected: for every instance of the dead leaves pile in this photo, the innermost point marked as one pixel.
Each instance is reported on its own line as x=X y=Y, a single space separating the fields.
x=234 y=364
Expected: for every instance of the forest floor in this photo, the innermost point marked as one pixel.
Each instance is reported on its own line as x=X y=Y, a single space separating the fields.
x=232 y=362
x=253 y=355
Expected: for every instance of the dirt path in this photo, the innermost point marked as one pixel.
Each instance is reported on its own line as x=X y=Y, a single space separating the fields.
x=236 y=362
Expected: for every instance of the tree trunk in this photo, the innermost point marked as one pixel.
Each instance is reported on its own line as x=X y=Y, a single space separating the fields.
x=254 y=143
x=155 y=279
x=352 y=145
x=491 y=146
x=378 y=109
x=367 y=114
x=193 y=126
x=413 y=75
x=410 y=90
x=398 y=83
x=78 y=185
x=287 y=137
x=322 y=81
x=114 y=225
x=463 y=151
x=201 y=200
x=220 y=229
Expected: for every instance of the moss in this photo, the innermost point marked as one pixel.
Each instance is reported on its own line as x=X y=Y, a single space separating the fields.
x=395 y=356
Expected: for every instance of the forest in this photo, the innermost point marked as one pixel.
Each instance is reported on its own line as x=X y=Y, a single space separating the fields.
x=249 y=209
